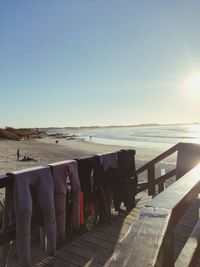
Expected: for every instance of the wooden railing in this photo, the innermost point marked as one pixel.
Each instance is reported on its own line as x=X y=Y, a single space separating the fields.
x=149 y=242
x=9 y=234
x=188 y=155
x=150 y=185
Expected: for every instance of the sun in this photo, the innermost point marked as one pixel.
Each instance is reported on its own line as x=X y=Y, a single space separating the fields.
x=192 y=84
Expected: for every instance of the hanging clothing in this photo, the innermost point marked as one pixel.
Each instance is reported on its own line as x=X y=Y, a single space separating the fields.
x=39 y=178
x=110 y=164
x=62 y=171
x=126 y=187
x=99 y=198
x=105 y=172
x=85 y=168
x=108 y=160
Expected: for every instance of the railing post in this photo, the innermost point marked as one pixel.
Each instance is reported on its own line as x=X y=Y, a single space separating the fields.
x=161 y=184
x=188 y=157
x=151 y=180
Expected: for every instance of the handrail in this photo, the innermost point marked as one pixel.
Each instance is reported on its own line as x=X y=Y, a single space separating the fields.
x=9 y=233
x=158 y=181
x=157 y=159
x=188 y=155
x=149 y=242
x=150 y=168
x=154 y=226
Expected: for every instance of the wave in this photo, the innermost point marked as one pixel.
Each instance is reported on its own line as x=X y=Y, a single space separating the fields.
x=142 y=136
x=164 y=136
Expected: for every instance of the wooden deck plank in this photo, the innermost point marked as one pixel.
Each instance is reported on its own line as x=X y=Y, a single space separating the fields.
x=107 y=231
x=150 y=241
x=95 y=241
x=103 y=237
x=98 y=255
x=71 y=258
x=190 y=252
x=53 y=262
x=80 y=250
x=96 y=246
x=185 y=226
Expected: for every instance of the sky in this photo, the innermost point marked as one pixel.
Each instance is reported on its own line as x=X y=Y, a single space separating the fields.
x=99 y=62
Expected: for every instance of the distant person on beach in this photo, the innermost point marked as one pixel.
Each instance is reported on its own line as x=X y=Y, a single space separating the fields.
x=17 y=154
x=27 y=158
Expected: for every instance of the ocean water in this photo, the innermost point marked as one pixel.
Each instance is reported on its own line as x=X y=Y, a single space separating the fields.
x=143 y=136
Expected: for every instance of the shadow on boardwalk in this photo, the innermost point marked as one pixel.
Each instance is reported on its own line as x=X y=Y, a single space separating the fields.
x=92 y=248
x=95 y=247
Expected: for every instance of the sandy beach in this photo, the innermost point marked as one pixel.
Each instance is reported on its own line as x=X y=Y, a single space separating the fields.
x=45 y=151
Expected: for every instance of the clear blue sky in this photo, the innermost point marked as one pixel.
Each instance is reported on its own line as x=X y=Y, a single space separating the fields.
x=98 y=62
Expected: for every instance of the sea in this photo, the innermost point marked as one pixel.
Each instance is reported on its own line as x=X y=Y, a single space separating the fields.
x=156 y=138
x=141 y=136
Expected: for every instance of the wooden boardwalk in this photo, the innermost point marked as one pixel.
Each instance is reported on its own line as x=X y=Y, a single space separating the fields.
x=96 y=246
x=185 y=226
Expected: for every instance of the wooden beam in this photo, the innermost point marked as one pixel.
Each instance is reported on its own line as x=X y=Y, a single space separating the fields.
x=188 y=158
x=165 y=177
x=158 y=158
x=141 y=245
x=151 y=180
x=142 y=187
x=161 y=186
x=181 y=193
x=189 y=255
x=149 y=242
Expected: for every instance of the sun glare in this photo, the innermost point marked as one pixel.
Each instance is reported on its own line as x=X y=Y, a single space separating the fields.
x=192 y=84
x=194 y=132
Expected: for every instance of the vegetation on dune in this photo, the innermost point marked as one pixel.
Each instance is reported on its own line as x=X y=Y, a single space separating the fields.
x=19 y=134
